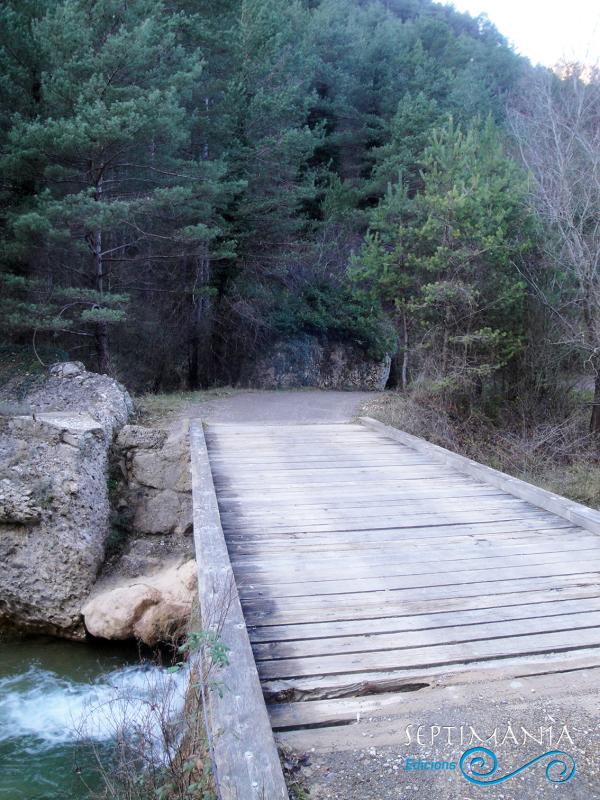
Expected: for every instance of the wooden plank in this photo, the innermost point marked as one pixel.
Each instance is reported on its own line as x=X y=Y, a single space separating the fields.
x=354 y=477
x=299 y=499
x=261 y=429
x=297 y=566
x=341 y=710
x=280 y=544
x=294 y=554
x=431 y=655
x=302 y=571
x=319 y=592
x=278 y=550
x=247 y=763
x=284 y=493
x=303 y=517
x=320 y=713
x=388 y=455
x=381 y=505
x=482 y=529
x=429 y=519
x=574 y=512
x=426 y=600
x=364 y=683
x=426 y=637
x=326 y=631
x=352 y=500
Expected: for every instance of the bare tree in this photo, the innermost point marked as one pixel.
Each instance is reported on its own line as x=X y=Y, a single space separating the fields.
x=557 y=129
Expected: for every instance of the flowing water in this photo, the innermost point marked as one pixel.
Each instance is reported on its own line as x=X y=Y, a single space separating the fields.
x=60 y=706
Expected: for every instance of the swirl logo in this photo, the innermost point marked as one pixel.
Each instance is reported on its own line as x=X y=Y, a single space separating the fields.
x=479 y=765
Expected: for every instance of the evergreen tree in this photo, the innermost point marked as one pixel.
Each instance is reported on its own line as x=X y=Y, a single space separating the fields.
x=443 y=261
x=119 y=187
x=198 y=174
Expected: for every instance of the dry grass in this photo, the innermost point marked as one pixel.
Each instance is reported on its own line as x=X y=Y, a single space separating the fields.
x=557 y=454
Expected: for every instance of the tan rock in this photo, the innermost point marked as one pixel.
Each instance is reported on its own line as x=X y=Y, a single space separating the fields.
x=162 y=621
x=112 y=614
x=150 y=607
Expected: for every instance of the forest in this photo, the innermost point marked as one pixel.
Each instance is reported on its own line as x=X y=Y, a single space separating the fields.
x=185 y=182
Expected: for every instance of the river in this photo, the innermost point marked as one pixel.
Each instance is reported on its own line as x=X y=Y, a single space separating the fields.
x=53 y=694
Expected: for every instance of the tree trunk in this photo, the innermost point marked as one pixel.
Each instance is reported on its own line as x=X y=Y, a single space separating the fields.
x=100 y=328
x=194 y=352
x=200 y=306
x=405 y=354
x=199 y=299
x=102 y=348
x=595 y=420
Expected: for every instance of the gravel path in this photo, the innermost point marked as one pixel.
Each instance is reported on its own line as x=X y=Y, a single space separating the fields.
x=367 y=760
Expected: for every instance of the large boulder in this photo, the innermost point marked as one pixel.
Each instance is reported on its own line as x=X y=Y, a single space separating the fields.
x=310 y=361
x=54 y=504
x=151 y=608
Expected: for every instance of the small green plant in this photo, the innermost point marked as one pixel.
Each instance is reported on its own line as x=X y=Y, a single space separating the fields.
x=209 y=641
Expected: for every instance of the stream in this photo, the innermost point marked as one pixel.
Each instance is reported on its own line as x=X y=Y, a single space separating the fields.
x=60 y=706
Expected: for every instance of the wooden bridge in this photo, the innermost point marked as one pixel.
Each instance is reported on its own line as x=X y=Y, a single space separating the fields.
x=367 y=562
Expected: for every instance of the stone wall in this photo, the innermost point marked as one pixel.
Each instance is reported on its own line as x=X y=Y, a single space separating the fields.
x=155 y=466
x=309 y=361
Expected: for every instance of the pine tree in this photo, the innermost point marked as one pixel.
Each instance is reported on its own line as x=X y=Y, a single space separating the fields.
x=119 y=188
x=443 y=260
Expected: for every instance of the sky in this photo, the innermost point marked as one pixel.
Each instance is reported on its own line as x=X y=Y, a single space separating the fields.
x=544 y=30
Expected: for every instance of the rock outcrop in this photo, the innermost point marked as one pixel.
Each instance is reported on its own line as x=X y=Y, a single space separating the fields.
x=151 y=608
x=310 y=361
x=54 y=504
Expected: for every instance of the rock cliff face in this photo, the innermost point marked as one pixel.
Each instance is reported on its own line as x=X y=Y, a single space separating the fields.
x=309 y=361
x=54 y=505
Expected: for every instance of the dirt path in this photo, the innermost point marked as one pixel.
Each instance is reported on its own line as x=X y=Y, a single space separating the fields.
x=260 y=407
x=282 y=407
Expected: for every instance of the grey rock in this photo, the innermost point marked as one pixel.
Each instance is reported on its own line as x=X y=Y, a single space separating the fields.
x=141 y=438
x=157 y=481
x=167 y=468
x=52 y=537
x=19 y=503
x=67 y=369
x=83 y=392
x=310 y=361
x=157 y=513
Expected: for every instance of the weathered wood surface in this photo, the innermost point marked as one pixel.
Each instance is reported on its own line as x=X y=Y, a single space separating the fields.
x=247 y=763
x=367 y=561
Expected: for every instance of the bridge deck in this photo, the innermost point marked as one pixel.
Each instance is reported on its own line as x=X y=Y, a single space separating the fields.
x=366 y=566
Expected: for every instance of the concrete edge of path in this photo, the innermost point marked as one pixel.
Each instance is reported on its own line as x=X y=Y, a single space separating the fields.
x=246 y=758
x=576 y=513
